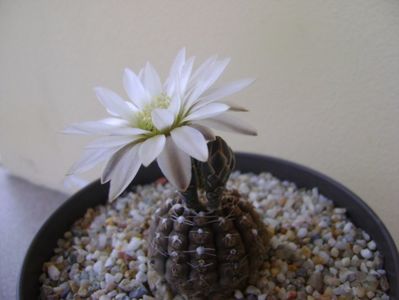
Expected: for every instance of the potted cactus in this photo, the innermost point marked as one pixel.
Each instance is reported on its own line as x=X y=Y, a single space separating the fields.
x=208 y=241
x=206 y=234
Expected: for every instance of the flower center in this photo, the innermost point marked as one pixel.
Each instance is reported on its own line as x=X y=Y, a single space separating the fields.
x=144 y=119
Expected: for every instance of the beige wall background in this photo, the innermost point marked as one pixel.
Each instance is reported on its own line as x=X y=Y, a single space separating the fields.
x=326 y=93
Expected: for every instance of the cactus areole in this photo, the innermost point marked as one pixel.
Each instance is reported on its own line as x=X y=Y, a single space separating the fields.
x=208 y=241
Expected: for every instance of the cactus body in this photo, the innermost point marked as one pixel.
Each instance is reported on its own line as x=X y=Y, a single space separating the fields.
x=207 y=254
x=208 y=241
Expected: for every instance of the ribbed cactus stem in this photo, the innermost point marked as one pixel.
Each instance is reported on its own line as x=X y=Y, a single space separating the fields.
x=211 y=176
x=216 y=171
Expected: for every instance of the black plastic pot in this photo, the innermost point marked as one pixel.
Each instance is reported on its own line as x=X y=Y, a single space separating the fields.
x=60 y=221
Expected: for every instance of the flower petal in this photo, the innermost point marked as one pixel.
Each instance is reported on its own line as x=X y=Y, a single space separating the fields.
x=207 y=111
x=109 y=142
x=162 y=118
x=226 y=122
x=134 y=89
x=175 y=70
x=151 y=148
x=102 y=127
x=178 y=63
x=191 y=141
x=128 y=131
x=201 y=70
x=206 y=132
x=235 y=107
x=185 y=74
x=225 y=90
x=207 y=80
x=175 y=165
x=121 y=169
x=216 y=71
x=114 y=103
x=151 y=80
x=90 y=158
x=175 y=105
x=141 y=74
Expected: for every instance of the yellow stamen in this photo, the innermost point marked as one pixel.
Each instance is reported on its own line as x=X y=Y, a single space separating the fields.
x=144 y=119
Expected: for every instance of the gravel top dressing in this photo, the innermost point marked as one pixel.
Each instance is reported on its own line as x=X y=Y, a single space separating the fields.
x=316 y=252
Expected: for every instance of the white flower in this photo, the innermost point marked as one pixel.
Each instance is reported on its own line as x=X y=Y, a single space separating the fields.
x=170 y=122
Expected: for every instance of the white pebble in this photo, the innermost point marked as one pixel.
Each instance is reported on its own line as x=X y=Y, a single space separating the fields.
x=348 y=227
x=98 y=267
x=252 y=290
x=109 y=278
x=142 y=259
x=356 y=249
x=302 y=232
x=102 y=241
x=143 y=267
x=370 y=294
x=345 y=261
x=331 y=242
x=280 y=277
x=141 y=276
x=372 y=245
x=309 y=289
x=109 y=262
x=366 y=253
x=323 y=224
x=339 y=210
x=238 y=294
x=319 y=268
x=366 y=236
x=53 y=272
x=359 y=291
x=134 y=244
x=136 y=216
x=334 y=252
x=118 y=277
x=252 y=196
x=363 y=268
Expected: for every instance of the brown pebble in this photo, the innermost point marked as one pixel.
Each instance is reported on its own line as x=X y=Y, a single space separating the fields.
x=306 y=251
x=316 y=281
x=282 y=201
x=318 y=260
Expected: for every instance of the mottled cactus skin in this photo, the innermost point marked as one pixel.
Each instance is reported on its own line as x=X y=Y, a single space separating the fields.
x=208 y=241
x=208 y=254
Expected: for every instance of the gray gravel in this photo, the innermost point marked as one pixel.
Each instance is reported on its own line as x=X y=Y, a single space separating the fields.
x=315 y=253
